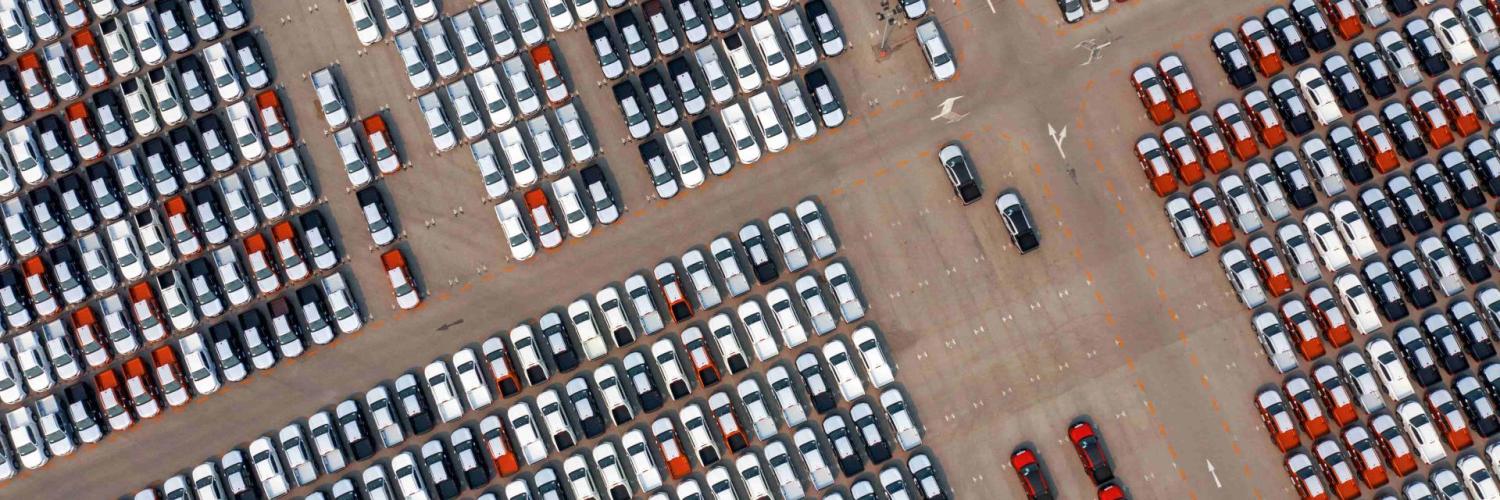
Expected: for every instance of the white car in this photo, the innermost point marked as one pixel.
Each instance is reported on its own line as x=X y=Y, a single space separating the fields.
x=803 y=124
x=745 y=72
x=558 y=15
x=769 y=47
x=813 y=458
x=548 y=153
x=1452 y=35
x=345 y=310
x=199 y=365
x=642 y=461
x=1357 y=302
x=938 y=58
x=514 y=150
x=354 y=160
x=580 y=146
x=644 y=305
x=440 y=386
x=383 y=417
x=417 y=72
x=521 y=88
x=803 y=52
x=1318 y=94
x=365 y=27
x=1477 y=479
x=246 y=134
x=701 y=279
x=476 y=392
x=1421 y=431
x=746 y=148
x=786 y=316
x=1352 y=227
x=516 y=236
x=1242 y=278
x=870 y=351
x=1326 y=240
x=490 y=170
x=267 y=467
x=523 y=428
x=761 y=341
x=225 y=78
x=586 y=328
x=850 y=306
x=330 y=100
x=686 y=161
x=574 y=216
x=437 y=122
x=325 y=444
x=837 y=354
x=771 y=132
x=443 y=58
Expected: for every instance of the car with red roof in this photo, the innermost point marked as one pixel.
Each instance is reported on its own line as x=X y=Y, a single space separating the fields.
x=1436 y=128
x=1156 y=165
x=1365 y=455
x=402 y=284
x=86 y=56
x=1337 y=469
x=1305 y=477
x=289 y=252
x=1091 y=453
x=1262 y=48
x=1210 y=142
x=147 y=312
x=671 y=448
x=1268 y=263
x=83 y=132
x=380 y=144
x=1458 y=106
x=1393 y=444
x=1345 y=18
x=1294 y=314
x=1450 y=419
x=1330 y=318
x=1212 y=213
x=1153 y=94
x=1029 y=469
x=140 y=389
x=258 y=257
x=1232 y=121
x=1278 y=421
x=1335 y=394
x=1377 y=142
x=1263 y=116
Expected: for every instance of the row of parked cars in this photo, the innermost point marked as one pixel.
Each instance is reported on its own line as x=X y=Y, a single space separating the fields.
x=195 y=365
x=1091 y=454
x=548 y=215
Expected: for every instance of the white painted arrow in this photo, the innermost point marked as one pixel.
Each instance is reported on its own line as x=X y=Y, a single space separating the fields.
x=1057 y=138
x=1212 y=473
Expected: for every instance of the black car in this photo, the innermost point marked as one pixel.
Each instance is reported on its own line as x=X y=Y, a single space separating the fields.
x=160 y=167
x=1436 y=191
x=1351 y=97
x=1479 y=407
x=83 y=410
x=1382 y=218
x=627 y=19
x=1313 y=24
x=647 y=394
x=1472 y=329
x=105 y=190
x=50 y=128
x=1386 y=293
x=877 y=447
x=661 y=96
x=1465 y=180
x=77 y=202
x=1404 y=131
x=312 y=296
x=10 y=84
x=715 y=150
x=45 y=212
x=228 y=350
x=237 y=481
x=1490 y=374
x=1413 y=278
x=601 y=196
x=1409 y=203
x=1418 y=356
x=1293 y=179
x=246 y=41
x=760 y=256
x=255 y=336
x=200 y=269
x=1445 y=342
x=1286 y=34
x=370 y=197
x=584 y=407
x=1401 y=7
x=210 y=132
x=413 y=402
x=65 y=263
x=599 y=36
x=435 y=460
x=685 y=81
x=627 y=97
x=837 y=430
x=109 y=112
x=1350 y=155
x=960 y=173
x=209 y=211
x=817 y=385
x=189 y=67
x=1373 y=70
x=1023 y=232
x=281 y=309
x=1289 y=104
x=1233 y=59
x=1486 y=163
x=825 y=99
x=1470 y=257
x=471 y=460
x=564 y=356
x=1425 y=45
x=188 y=153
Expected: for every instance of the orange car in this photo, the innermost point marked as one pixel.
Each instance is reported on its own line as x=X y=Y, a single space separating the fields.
x=1153 y=94
x=1458 y=106
x=1450 y=420
x=1183 y=154
x=34 y=82
x=1278 y=421
x=140 y=389
x=1393 y=444
x=86 y=56
x=1366 y=457
x=147 y=313
x=1262 y=47
x=1331 y=320
x=1212 y=213
x=1335 y=394
x=380 y=144
x=728 y=422
x=1210 y=142
x=88 y=337
x=401 y=282
x=1270 y=266
x=1302 y=329
x=180 y=227
x=703 y=362
x=671 y=449
x=258 y=257
x=83 y=132
x=1232 y=121
x=1429 y=115
x=1377 y=143
x=1345 y=17
x=111 y=404
x=1267 y=123
x=1184 y=93
x=499 y=446
x=1156 y=165
x=273 y=120
x=1305 y=407
x=1336 y=468
x=288 y=251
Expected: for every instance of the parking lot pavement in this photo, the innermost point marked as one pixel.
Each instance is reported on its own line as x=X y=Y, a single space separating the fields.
x=1105 y=320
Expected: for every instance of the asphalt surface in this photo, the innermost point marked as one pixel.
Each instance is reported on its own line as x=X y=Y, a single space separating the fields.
x=1107 y=320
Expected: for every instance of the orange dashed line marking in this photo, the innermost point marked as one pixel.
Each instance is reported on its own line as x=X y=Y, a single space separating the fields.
x=903 y=163
x=1068 y=234
x=1077 y=252
x=837 y=192
x=1236 y=446
x=1088 y=276
x=1204 y=381
x=1047 y=191
x=1099 y=165
x=1151 y=272
x=442 y=296
x=1098 y=297
x=1120 y=206
x=488 y=277
x=1193 y=358
x=466 y=287
x=509 y=268
x=1121 y=343
x=1109 y=318
x=1140 y=250
x=1036 y=168
x=1025 y=146
x=1088 y=85
x=881 y=172
x=1162 y=429
x=859 y=182
x=968 y=135
x=1172 y=312
x=1088 y=144
x=924 y=154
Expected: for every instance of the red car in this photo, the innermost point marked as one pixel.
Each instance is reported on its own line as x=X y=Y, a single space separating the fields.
x=671 y=449
x=86 y=57
x=147 y=313
x=380 y=144
x=498 y=446
x=1212 y=213
x=1300 y=324
x=288 y=251
x=1337 y=469
x=1450 y=419
x=1305 y=477
x=273 y=120
x=500 y=368
x=111 y=405
x=1263 y=116
x=1029 y=470
x=181 y=228
x=1183 y=154
x=88 y=337
x=1335 y=394
x=1111 y=491
x=1156 y=165
x=1305 y=407
x=1393 y=444
x=1429 y=115
x=1091 y=452
x=728 y=422
x=541 y=218
x=83 y=133
x=140 y=389
x=39 y=287
x=1273 y=413
x=1366 y=458
x=34 y=82
x=1345 y=17
x=1232 y=121
x=1209 y=141
x=258 y=257
x=703 y=363
x=402 y=284
x=1262 y=47
x=1377 y=143
x=1458 y=105
x=1268 y=263
x=1153 y=94
x=1184 y=93
x=1330 y=317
